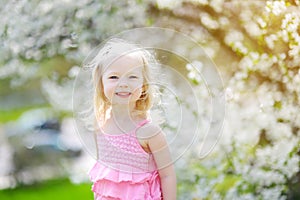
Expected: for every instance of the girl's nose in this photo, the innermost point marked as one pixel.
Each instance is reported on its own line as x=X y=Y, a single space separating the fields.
x=123 y=84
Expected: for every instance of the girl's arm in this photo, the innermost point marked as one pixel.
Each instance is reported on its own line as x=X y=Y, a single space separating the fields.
x=159 y=148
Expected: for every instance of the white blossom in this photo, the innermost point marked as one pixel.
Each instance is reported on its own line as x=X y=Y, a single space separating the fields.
x=208 y=21
x=276 y=7
x=168 y=3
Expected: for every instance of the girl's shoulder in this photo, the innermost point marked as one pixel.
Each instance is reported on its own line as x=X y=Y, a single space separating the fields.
x=148 y=130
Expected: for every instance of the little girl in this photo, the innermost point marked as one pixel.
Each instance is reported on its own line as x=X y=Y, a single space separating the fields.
x=133 y=159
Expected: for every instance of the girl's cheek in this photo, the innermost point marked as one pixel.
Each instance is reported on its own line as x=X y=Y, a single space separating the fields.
x=137 y=85
x=109 y=89
x=111 y=84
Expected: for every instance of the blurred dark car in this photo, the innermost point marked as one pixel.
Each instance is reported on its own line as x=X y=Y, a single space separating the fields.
x=40 y=150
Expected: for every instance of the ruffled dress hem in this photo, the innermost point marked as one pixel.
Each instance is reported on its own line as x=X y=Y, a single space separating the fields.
x=109 y=183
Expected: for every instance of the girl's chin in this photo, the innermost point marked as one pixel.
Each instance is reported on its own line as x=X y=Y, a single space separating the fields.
x=123 y=102
x=124 y=99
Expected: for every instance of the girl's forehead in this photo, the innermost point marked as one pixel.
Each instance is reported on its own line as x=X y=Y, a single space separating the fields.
x=126 y=63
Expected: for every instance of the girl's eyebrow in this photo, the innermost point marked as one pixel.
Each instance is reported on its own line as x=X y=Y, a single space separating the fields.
x=110 y=72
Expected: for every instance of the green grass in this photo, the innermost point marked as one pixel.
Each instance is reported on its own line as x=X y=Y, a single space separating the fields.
x=14 y=114
x=54 y=189
x=11 y=115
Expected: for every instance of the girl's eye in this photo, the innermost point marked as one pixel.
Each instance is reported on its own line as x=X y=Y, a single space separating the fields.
x=133 y=77
x=113 y=77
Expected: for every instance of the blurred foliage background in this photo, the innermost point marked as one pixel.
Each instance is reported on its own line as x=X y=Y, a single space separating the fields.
x=255 y=45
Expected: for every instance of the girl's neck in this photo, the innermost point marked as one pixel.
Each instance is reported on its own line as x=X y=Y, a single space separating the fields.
x=121 y=120
x=123 y=113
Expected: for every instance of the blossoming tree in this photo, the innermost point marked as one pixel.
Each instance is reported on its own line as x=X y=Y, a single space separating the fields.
x=256 y=46
x=43 y=42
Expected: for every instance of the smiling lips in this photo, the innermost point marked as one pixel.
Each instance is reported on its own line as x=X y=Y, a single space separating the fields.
x=123 y=94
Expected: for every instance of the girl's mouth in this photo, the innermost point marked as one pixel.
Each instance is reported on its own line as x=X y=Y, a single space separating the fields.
x=123 y=94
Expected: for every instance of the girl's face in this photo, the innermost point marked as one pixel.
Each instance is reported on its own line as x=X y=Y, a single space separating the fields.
x=123 y=80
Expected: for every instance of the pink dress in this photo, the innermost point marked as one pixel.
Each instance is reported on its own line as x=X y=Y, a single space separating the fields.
x=124 y=171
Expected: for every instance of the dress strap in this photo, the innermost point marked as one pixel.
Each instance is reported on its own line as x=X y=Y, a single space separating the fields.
x=139 y=125
x=142 y=123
